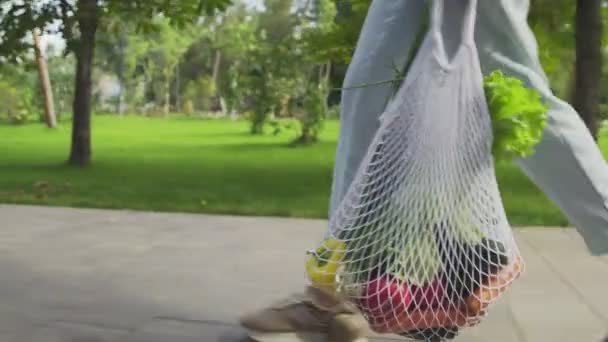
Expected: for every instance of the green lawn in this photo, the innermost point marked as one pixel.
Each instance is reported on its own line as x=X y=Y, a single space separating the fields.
x=194 y=165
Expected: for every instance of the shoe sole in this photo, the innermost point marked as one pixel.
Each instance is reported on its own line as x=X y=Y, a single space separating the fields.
x=295 y=337
x=287 y=337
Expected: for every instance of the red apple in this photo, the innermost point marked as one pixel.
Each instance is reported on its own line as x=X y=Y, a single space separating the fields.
x=385 y=298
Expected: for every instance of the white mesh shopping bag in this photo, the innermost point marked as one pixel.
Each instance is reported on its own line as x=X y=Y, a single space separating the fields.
x=421 y=243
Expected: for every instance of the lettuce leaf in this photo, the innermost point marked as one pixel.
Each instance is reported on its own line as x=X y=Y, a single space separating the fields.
x=518 y=116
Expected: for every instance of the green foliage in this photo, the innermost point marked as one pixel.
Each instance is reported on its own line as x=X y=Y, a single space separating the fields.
x=174 y=164
x=552 y=22
x=603 y=111
x=603 y=132
x=333 y=112
x=317 y=24
x=20 y=98
x=120 y=51
x=336 y=41
x=188 y=108
x=276 y=64
x=235 y=37
x=321 y=27
x=61 y=72
x=200 y=94
x=165 y=48
x=315 y=107
x=179 y=12
x=18 y=19
x=518 y=116
x=15 y=104
x=282 y=126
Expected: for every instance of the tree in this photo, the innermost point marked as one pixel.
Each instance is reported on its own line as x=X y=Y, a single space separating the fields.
x=61 y=72
x=588 y=67
x=315 y=107
x=16 y=94
x=337 y=43
x=552 y=23
x=119 y=51
x=87 y=16
x=317 y=22
x=235 y=38
x=45 y=83
x=110 y=52
x=78 y=22
x=275 y=74
x=166 y=46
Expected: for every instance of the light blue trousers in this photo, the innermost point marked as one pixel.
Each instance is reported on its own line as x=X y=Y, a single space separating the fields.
x=567 y=165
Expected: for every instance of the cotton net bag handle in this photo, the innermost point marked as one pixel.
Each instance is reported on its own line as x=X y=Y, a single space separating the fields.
x=420 y=243
x=467 y=31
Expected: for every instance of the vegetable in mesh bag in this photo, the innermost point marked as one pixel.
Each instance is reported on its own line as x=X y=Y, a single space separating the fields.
x=518 y=116
x=424 y=245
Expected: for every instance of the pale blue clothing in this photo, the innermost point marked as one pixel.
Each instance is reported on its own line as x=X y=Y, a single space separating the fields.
x=568 y=166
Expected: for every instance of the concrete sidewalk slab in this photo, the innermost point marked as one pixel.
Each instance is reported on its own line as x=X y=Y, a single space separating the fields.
x=79 y=275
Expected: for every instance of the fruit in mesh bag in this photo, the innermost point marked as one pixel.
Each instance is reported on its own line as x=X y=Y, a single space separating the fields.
x=472 y=266
x=429 y=296
x=470 y=271
x=443 y=323
x=386 y=297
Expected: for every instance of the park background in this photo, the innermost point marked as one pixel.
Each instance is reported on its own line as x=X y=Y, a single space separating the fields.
x=221 y=106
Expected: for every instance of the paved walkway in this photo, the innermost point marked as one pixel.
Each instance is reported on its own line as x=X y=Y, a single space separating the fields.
x=98 y=276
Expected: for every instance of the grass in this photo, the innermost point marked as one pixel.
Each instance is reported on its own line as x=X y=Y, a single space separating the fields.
x=194 y=165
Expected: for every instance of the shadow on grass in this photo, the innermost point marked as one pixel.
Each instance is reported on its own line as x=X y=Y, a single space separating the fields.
x=287 y=145
x=37 y=166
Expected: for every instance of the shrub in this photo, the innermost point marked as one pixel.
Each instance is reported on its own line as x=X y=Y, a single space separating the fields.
x=201 y=93
x=15 y=104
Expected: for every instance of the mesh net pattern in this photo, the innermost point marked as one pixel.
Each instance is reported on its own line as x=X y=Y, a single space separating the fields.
x=421 y=243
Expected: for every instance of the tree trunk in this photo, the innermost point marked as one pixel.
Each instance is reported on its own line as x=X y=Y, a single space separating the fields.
x=167 y=104
x=327 y=72
x=45 y=83
x=568 y=92
x=178 y=102
x=588 y=68
x=216 y=67
x=87 y=15
x=321 y=72
x=257 y=127
x=121 y=74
